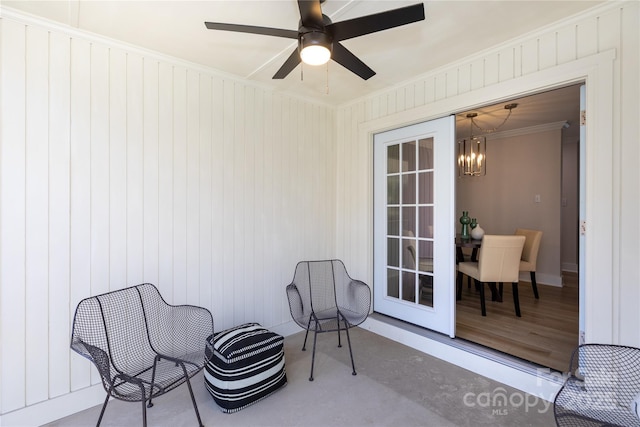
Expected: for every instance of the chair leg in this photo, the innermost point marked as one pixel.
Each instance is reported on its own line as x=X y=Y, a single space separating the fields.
x=304 y=344
x=104 y=406
x=313 y=353
x=534 y=285
x=353 y=366
x=193 y=399
x=338 y=322
x=153 y=379
x=144 y=414
x=459 y=286
x=483 y=306
x=144 y=406
x=516 y=299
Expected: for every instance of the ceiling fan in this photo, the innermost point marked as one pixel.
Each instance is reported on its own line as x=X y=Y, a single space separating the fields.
x=319 y=38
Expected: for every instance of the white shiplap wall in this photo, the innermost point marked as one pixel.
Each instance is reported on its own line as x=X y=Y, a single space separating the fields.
x=119 y=167
x=602 y=44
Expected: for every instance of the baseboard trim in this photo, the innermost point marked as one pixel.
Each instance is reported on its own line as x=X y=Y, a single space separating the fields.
x=55 y=408
x=543 y=278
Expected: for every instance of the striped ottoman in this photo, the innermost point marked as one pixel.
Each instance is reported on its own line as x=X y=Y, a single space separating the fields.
x=245 y=364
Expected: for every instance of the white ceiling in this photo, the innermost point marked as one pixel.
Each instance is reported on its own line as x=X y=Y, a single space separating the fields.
x=452 y=30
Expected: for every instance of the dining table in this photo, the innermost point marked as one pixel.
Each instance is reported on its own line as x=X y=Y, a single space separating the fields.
x=467 y=242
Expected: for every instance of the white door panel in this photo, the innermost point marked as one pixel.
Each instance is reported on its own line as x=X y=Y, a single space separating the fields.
x=414 y=224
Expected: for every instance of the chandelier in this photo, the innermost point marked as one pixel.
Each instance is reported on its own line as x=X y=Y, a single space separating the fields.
x=472 y=151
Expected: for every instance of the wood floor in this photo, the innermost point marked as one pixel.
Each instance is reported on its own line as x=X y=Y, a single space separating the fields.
x=546 y=333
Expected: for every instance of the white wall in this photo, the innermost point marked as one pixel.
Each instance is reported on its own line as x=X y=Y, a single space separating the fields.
x=520 y=165
x=569 y=204
x=119 y=167
x=601 y=47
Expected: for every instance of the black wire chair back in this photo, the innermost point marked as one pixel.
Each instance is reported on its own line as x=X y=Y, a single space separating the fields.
x=141 y=346
x=602 y=384
x=324 y=298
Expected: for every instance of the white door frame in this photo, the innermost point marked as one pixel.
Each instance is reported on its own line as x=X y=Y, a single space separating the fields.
x=597 y=72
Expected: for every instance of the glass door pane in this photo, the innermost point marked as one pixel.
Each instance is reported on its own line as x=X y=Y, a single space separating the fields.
x=410 y=217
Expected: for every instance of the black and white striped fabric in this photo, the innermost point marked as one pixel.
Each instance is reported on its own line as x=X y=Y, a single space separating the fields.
x=247 y=366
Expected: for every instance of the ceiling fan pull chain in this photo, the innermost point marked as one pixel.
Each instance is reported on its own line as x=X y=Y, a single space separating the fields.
x=327 y=88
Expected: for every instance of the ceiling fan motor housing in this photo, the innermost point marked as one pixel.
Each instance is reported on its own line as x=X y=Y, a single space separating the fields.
x=315 y=38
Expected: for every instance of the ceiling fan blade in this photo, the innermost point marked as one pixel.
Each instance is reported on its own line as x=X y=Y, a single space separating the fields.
x=350 y=28
x=310 y=13
x=351 y=62
x=277 y=32
x=292 y=62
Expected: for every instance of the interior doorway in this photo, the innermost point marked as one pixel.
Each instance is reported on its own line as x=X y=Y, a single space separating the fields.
x=531 y=181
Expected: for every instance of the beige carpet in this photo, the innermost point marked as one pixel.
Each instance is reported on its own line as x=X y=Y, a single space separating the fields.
x=395 y=386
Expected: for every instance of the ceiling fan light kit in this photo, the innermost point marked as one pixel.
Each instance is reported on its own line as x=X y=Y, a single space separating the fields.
x=319 y=38
x=315 y=48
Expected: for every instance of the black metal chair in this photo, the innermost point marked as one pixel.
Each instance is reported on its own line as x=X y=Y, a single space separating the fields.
x=324 y=298
x=602 y=384
x=141 y=346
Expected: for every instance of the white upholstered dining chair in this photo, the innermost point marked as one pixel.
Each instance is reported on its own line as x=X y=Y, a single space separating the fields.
x=499 y=261
x=529 y=259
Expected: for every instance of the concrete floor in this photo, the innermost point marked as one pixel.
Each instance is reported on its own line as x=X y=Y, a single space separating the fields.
x=395 y=386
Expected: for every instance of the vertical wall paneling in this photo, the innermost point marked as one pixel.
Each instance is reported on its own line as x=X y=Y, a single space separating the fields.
x=204 y=236
x=117 y=169
x=429 y=90
x=165 y=180
x=614 y=18
x=477 y=75
x=273 y=164
x=179 y=256
x=218 y=141
x=90 y=225
x=228 y=202
x=547 y=45
x=238 y=218
x=464 y=79
x=248 y=223
x=59 y=220
x=37 y=208
x=451 y=81
x=150 y=167
x=530 y=56
x=492 y=69
x=440 y=91
x=257 y=241
x=12 y=223
x=80 y=193
x=192 y=277
x=263 y=175
x=506 y=67
x=587 y=37
x=566 y=44
x=134 y=170
x=100 y=167
x=401 y=99
x=629 y=156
